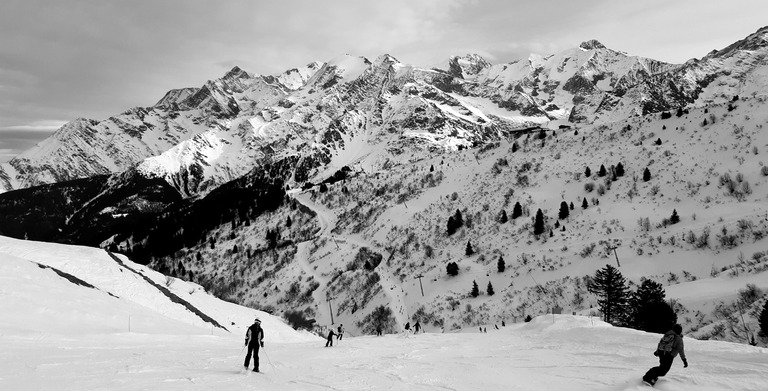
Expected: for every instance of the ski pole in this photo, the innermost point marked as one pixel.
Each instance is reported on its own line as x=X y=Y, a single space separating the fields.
x=267 y=356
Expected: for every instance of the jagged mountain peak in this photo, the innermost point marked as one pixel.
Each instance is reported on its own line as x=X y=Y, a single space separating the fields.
x=236 y=73
x=385 y=59
x=592 y=44
x=467 y=65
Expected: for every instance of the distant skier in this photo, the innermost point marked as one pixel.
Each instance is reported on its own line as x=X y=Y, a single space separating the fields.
x=671 y=345
x=503 y=324
x=378 y=331
x=496 y=326
x=416 y=327
x=329 y=342
x=407 y=330
x=254 y=338
x=340 y=334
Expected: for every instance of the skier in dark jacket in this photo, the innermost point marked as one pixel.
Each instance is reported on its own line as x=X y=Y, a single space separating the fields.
x=254 y=338
x=416 y=327
x=340 y=334
x=330 y=338
x=667 y=356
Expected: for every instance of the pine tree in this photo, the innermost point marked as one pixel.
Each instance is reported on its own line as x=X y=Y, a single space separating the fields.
x=517 y=210
x=538 y=224
x=564 y=211
x=452 y=269
x=551 y=233
x=501 y=265
x=514 y=147
x=646 y=175
x=431 y=168
x=674 y=219
x=611 y=288
x=584 y=204
x=619 y=170
x=469 y=251
x=602 y=171
x=489 y=290
x=764 y=319
x=288 y=222
x=475 y=289
x=648 y=310
x=587 y=172
x=503 y=217
x=571 y=205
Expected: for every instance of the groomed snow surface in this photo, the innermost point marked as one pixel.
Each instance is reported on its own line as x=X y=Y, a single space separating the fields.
x=58 y=335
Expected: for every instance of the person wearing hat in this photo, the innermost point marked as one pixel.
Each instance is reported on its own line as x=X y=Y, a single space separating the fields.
x=254 y=338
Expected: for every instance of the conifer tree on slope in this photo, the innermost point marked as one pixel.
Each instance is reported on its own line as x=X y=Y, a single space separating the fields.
x=564 y=211
x=764 y=319
x=517 y=210
x=648 y=310
x=475 y=289
x=489 y=290
x=501 y=265
x=612 y=292
x=538 y=224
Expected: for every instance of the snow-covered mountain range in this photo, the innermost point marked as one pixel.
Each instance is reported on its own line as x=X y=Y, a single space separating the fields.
x=219 y=185
x=199 y=138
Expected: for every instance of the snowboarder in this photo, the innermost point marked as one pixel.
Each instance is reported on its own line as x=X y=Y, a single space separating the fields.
x=671 y=345
x=416 y=327
x=330 y=339
x=254 y=338
x=340 y=332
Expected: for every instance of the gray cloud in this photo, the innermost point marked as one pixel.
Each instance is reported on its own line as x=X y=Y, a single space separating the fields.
x=85 y=58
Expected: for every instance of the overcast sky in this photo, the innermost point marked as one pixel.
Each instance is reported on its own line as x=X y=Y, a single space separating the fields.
x=60 y=60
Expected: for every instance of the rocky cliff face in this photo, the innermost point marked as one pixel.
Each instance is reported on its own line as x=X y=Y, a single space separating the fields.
x=351 y=110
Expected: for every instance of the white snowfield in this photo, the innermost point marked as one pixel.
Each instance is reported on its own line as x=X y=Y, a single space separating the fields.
x=58 y=335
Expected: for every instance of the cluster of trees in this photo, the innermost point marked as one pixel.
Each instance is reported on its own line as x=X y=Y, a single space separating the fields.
x=233 y=202
x=644 y=309
x=617 y=171
x=455 y=222
x=380 y=319
x=476 y=289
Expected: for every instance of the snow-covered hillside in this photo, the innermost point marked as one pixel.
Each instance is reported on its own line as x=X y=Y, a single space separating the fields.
x=705 y=164
x=75 y=318
x=550 y=353
x=73 y=291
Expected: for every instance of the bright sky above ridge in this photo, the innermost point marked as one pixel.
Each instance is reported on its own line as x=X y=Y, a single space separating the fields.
x=60 y=60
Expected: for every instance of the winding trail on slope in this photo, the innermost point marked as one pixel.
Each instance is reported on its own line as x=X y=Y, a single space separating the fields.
x=328 y=220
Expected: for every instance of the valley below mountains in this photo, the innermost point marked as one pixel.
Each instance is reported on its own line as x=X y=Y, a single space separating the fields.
x=336 y=188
